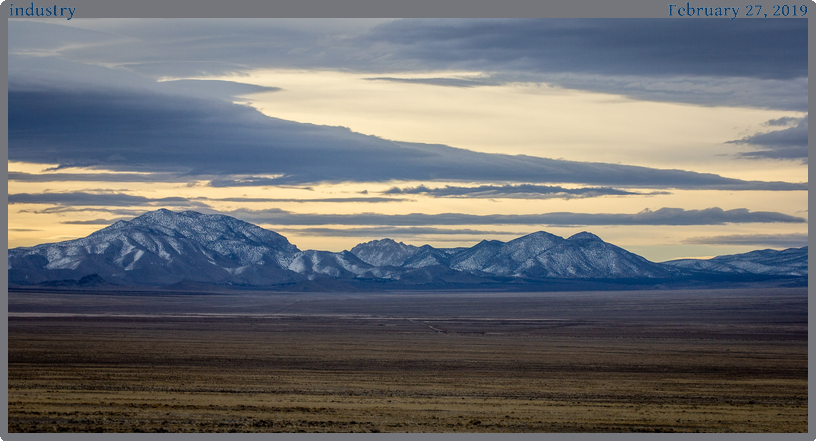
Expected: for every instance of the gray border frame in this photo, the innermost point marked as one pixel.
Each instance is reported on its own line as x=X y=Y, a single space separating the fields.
x=368 y=9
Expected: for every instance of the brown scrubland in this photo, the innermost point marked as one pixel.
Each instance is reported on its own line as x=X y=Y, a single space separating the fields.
x=650 y=361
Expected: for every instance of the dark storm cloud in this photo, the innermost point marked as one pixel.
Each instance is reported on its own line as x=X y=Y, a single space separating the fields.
x=773 y=240
x=663 y=216
x=390 y=231
x=153 y=132
x=753 y=63
x=524 y=191
x=788 y=143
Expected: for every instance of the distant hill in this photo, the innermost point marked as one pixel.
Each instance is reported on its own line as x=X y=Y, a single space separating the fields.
x=790 y=262
x=165 y=248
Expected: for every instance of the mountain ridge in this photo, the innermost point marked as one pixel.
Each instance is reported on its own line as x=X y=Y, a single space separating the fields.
x=163 y=248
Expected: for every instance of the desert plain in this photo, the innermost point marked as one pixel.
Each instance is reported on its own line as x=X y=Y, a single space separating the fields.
x=730 y=360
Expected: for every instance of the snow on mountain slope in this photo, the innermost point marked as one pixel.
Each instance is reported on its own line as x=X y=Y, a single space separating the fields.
x=586 y=255
x=789 y=262
x=160 y=247
x=541 y=254
x=476 y=257
x=384 y=252
x=427 y=256
x=340 y=265
x=163 y=247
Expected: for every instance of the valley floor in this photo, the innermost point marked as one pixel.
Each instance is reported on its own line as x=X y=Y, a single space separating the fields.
x=657 y=361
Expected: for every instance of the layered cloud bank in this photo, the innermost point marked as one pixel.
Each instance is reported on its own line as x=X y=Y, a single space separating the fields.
x=147 y=132
x=450 y=128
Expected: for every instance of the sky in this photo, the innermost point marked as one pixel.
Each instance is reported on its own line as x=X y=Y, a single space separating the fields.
x=669 y=138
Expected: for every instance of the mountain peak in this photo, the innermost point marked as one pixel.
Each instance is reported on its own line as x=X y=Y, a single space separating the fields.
x=531 y=245
x=383 y=252
x=584 y=235
x=165 y=213
x=164 y=246
x=385 y=241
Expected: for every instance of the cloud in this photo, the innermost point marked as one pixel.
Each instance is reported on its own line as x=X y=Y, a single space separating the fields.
x=27 y=73
x=643 y=59
x=61 y=209
x=95 y=177
x=744 y=48
x=524 y=191
x=663 y=216
x=754 y=63
x=151 y=132
x=784 y=121
x=95 y=221
x=214 y=88
x=446 y=82
x=246 y=181
x=788 y=94
x=105 y=199
x=114 y=199
x=82 y=198
x=252 y=181
x=371 y=200
x=773 y=240
x=788 y=143
x=656 y=47
x=184 y=48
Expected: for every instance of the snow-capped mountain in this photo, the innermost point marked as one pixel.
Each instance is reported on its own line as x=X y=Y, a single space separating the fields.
x=544 y=255
x=165 y=247
x=540 y=255
x=384 y=252
x=339 y=265
x=427 y=256
x=161 y=247
x=790 y=262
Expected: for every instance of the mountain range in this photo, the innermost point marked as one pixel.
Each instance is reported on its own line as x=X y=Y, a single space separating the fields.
x=165 y=248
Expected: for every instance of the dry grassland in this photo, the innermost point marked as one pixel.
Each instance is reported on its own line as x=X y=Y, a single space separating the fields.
x=317 y=372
